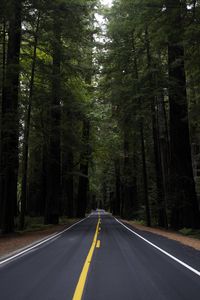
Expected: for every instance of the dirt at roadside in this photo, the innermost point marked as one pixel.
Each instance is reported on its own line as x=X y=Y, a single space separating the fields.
x=15 y=241
x=188 y=241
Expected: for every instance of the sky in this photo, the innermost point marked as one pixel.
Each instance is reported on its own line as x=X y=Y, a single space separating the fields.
x=99 y=17
x=106 y=2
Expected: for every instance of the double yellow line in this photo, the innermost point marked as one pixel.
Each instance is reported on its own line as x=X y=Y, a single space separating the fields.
x=82 y=279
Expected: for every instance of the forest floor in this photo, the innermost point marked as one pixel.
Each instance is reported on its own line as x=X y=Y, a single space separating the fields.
x=18 y=240
x=173 y=235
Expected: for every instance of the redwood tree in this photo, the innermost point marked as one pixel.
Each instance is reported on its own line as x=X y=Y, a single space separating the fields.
x=54 y=152
x=10 y=128
x=184 y=204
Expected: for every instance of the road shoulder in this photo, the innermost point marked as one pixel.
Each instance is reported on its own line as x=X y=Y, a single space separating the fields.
x=187 y=241
x=16 y=242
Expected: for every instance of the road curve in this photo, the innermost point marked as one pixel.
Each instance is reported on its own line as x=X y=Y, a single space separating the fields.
x=123 y=266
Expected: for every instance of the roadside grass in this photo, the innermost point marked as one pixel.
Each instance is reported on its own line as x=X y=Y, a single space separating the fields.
x=194 y=233
x=140 y=222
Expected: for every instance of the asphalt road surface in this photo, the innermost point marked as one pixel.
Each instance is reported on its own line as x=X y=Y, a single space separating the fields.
x=100 y=259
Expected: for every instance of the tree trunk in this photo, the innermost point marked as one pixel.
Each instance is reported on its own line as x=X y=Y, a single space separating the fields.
x=117 y=202
x=53 y=186
x=83 y=178
x=2 y=88
x=10 y=126
x=163 y=154
x=3 y=57
x=128 y=187
x=44 y=181
x=68 y=183
x=161 y=200
x=141 y=130
x=26 y=132
x=144 y=169
x=162 y=214
x=184 y=208
x=135 y=181
x=70 y=186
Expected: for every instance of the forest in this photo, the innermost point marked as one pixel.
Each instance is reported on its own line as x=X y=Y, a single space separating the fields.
x=99 y=108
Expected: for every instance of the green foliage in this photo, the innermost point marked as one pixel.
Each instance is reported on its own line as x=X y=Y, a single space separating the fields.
x=135 y=77
x=114 y=78
x=190 y=232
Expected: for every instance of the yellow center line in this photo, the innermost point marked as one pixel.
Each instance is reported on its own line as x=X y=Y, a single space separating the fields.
x=82 y=279
x=98 y=244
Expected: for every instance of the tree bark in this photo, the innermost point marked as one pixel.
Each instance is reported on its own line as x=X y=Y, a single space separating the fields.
x=143 y=152
x=83 y=178
x=27 y=130
x=163 y=155
x=128 y=189
x=70 y=186
x=68 y=183
x=52 y=206
x=144 y=169
x=184 y=206
x=117 y=202
x=162 y=214
x=10 y=126
x=2 y=88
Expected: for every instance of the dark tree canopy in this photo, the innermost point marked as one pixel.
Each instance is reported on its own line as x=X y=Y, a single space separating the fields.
x=100 y=115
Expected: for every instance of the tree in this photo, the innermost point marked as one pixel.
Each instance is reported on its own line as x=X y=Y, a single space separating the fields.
x=10 y=126
x=185 y=211
x=27 y=129
x=54 y=151
x=159 y=30
x=83 y=184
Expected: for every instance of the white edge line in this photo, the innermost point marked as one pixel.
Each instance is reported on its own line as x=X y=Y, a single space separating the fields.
x=40 y=243
x=161 y=250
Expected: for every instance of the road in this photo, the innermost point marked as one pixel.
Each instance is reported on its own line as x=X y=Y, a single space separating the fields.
x=100 y=259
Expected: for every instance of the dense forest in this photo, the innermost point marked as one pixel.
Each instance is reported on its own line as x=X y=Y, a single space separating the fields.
x=100 y=113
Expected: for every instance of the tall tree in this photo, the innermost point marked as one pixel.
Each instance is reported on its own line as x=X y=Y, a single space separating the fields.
x=27 y=129
x=10 y=126
x=162 y=214
x=2 y=80
x=83 y=184
x=185 y=211
x=54 y=152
